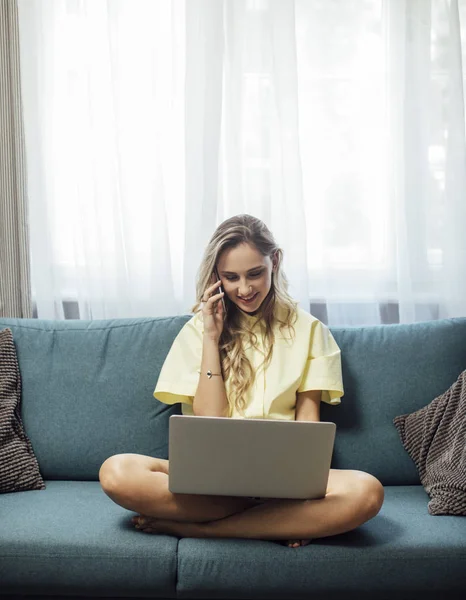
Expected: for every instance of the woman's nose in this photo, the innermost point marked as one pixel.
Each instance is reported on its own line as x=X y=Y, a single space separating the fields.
x=244 y=290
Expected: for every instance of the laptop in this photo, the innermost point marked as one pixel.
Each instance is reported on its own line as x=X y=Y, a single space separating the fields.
x=264 y=458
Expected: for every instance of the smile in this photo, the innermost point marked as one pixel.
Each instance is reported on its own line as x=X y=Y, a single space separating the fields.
x=248 y=300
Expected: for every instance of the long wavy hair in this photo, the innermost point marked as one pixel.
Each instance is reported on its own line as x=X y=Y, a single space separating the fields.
x=277 y=308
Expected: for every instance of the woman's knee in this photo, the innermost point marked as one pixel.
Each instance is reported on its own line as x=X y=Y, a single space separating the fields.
x=117 y=472
x=370 y=494
x=377 y=495
x=363 y=492
x=111 y=473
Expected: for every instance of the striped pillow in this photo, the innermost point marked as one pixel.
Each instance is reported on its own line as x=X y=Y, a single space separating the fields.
x=19 y=470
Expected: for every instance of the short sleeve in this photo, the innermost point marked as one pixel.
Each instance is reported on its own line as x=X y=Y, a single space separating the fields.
x=179 y=376
x=322 y=370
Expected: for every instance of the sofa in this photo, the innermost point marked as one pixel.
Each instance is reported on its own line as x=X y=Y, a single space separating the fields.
x=87 y=393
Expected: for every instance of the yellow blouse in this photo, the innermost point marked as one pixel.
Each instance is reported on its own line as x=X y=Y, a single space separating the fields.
x=308 y=361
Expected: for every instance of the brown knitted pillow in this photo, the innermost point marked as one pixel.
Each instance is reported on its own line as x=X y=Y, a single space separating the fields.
x=19 y=470
x=435 y=438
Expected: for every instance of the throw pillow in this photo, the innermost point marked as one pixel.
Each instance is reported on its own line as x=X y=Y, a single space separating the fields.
x=434 y=437
x=19 y=470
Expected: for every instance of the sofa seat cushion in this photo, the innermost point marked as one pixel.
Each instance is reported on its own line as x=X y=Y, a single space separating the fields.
x=72 y=539
x=403 y=550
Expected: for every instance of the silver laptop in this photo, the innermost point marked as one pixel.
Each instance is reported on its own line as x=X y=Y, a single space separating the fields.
x=263 y=458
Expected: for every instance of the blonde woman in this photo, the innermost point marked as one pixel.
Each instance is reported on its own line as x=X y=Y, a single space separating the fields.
x=248 y=352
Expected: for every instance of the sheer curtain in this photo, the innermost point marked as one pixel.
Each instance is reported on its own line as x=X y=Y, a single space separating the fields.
x=339 y=123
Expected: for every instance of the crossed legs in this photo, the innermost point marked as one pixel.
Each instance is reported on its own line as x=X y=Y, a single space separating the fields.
x=140 y=483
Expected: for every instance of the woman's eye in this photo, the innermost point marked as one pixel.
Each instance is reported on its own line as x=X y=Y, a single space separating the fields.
x=251 y=275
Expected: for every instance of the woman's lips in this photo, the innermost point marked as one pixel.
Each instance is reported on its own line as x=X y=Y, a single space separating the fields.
x=249 y=301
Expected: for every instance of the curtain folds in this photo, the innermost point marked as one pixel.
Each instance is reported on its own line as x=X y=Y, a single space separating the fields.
x=340 y=124
x=15 y=285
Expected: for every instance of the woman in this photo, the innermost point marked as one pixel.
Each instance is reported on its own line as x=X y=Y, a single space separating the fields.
x=248 y=352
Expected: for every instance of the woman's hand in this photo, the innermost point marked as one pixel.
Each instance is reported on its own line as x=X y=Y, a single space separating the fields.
x=212 y=311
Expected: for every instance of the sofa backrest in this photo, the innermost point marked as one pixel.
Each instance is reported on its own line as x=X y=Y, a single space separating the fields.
x=390 y=370
x=87 y=390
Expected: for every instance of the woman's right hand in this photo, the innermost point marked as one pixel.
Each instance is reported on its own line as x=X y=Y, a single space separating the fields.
x=212 y=311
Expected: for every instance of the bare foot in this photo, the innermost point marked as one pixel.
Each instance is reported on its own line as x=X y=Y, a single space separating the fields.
x=167 y=527
x=181 y=529
x=297 y=543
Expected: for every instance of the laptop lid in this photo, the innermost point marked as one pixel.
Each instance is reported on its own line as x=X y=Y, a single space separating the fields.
x=265 y=458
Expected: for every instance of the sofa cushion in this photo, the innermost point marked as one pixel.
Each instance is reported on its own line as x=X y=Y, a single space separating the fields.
x=71 y=539
x=403 y=552
x=390 y=370
x=19 y=470
x=87 y=390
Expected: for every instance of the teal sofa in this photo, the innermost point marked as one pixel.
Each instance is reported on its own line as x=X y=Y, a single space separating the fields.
x=87 y=394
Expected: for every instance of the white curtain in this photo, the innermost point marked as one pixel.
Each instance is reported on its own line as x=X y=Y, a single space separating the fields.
x=340 y=123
